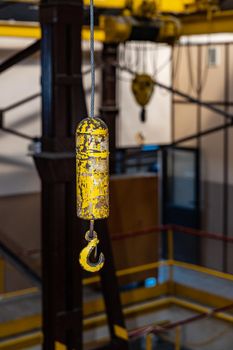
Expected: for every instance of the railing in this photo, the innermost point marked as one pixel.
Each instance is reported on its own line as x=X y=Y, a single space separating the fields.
x=164 y=290
x=8 y=254
x=10 y=62
x=169 y=262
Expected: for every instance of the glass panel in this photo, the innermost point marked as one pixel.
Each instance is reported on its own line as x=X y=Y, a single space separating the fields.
x=181 y=178
x=136 y=160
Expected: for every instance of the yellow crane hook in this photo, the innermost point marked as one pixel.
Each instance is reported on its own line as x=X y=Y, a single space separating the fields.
x=85 y=254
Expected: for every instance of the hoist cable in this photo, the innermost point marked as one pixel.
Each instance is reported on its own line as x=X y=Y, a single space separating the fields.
x=92 y=106
x=176 y=65
x=92 y=56
x=198 y=88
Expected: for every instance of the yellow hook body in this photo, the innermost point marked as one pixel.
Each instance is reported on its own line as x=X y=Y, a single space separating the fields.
x=84 y=258
x=92 y=169
x=143 y=88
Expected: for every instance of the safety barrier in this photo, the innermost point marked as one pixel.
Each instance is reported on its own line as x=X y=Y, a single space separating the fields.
x=165 y=290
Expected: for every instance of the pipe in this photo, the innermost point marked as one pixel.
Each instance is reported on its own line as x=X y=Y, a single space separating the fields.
x=162 y=229
x=199 y=317
x=181 y=229
x=157 y=330
x=150 y=230
x=203 y=234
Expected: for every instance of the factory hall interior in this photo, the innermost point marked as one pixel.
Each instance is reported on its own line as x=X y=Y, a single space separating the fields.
x=116 y=174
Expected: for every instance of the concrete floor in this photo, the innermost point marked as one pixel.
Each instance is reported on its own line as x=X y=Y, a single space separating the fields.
x=200 y=281
x=208 y=334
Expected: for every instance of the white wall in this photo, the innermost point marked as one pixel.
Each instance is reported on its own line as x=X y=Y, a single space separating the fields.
x=208 y=38
x=17 y=171
x=153 y=57
x=156 y=130
x=213 y=90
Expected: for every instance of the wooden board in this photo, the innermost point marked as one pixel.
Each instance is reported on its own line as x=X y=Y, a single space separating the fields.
x=134 y=207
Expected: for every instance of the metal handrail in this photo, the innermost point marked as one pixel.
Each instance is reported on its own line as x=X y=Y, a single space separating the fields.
x=10 y=62
x=20 y=56
x=22 y=266
x=21 y=102
x=11 y=107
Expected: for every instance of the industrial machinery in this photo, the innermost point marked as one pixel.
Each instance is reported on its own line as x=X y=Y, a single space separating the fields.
x=143 y=88
x=153 y=20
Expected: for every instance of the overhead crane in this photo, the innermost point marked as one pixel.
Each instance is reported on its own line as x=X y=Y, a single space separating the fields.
x=153 y=20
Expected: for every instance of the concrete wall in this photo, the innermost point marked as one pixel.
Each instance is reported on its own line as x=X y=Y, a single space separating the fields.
x=17 y=172
x=24 y=79
x=212 y=146
x=154 y=60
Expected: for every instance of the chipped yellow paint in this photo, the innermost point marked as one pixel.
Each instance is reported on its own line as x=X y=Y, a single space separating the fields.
x=60 y=346
x=92 y=161
x=121 y=332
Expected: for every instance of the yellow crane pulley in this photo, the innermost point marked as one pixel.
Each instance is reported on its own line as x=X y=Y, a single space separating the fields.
x=143 y=88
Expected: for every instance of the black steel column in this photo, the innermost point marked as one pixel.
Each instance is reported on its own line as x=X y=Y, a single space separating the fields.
x=62 y=107
x=109 y=109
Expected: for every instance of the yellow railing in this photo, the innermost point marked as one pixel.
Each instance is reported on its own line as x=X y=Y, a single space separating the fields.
x=170 y=262
x=167 y=290
x=2 y=275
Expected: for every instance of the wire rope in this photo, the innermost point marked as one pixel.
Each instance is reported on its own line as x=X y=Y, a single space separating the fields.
x=92 y=58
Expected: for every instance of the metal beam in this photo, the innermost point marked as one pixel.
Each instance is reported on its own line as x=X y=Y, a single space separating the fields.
x=176 y=6
x=172 y=27
x=216 y=22
x=18 y=134
x=33 y=31
x=20 y=56
x=12 y=254
x=189 y=98
x=200 y=134
x=21 y=102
